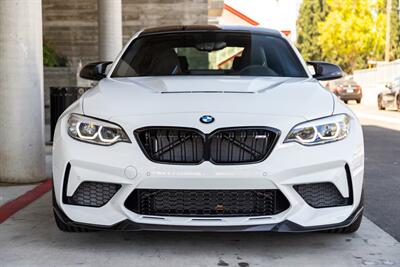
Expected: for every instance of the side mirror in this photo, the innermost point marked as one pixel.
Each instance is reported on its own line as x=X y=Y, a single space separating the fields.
x=325 y=71
x=94 y=71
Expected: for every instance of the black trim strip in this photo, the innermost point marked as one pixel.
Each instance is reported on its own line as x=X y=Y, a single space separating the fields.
x=349 y=184
x=65 y=183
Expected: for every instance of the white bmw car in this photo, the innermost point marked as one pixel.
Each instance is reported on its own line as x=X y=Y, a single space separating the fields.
x=208 y=128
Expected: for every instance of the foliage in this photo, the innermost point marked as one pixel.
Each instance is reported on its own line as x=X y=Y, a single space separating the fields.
x=395 y=31
x=51 y=58
x=312 y=12
x=353 y=32
x=347 y=32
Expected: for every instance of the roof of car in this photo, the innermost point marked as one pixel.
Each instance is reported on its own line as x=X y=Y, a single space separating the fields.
x=191 y=28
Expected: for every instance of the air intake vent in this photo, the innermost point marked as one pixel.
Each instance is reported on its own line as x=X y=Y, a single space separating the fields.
x=321 y=195
x=206 y=203
x=93 y=194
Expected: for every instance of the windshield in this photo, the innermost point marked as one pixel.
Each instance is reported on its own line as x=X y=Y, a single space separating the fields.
x=209 y=53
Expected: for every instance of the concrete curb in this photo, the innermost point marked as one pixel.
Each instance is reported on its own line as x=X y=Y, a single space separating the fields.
x=13 y=206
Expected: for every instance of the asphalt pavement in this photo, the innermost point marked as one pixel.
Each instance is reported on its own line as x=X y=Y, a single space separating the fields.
x=382 y=166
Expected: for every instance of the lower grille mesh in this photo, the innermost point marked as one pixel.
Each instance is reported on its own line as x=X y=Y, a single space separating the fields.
x=321 y=195
x=93 y=194
x=206 y=203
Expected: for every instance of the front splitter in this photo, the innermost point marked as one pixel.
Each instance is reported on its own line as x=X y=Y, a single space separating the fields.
x=285 y=226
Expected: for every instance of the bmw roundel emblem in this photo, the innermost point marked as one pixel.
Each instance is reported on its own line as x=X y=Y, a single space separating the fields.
x=207 y=119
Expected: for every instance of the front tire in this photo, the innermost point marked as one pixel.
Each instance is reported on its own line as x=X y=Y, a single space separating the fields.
x=62 y=226
x=358 y=101
x=380 y=104
x=352 y=228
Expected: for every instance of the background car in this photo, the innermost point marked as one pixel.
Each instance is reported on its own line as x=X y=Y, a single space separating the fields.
x=346 y=89
x=389 y=97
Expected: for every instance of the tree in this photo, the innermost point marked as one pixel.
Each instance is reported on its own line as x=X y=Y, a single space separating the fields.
x=395 y=31
x=312 y=12
x=353 y=32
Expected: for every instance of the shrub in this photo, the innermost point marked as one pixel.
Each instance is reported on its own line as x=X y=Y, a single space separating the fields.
x=51 y=58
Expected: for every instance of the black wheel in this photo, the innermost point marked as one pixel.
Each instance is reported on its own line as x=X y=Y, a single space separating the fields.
x=345 y=101
x=61 y=224
x=380 y=104
x=358 y=101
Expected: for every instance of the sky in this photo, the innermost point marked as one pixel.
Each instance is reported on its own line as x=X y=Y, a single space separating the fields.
x=275 y=14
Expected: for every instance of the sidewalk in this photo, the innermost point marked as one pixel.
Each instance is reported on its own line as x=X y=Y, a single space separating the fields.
x=11 y=191
x=32 y=239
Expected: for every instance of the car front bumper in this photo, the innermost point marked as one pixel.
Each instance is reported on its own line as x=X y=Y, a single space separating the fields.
x=340 y=163
x=284 y=226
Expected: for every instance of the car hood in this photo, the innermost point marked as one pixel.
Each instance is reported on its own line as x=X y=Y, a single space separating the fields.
x=116 y=97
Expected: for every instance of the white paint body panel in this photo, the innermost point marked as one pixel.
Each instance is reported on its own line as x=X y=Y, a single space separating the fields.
x=280 y=103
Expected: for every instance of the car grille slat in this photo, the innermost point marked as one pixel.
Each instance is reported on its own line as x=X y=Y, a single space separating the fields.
x=206 y=203
x=238 y=145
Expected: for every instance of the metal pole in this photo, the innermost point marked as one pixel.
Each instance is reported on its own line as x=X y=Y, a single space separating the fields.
x=388 y=17
x=22 y=156
x=110 y=28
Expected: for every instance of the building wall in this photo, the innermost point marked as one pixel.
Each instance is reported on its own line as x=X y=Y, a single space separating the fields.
x=215 y=8
x=70 y=26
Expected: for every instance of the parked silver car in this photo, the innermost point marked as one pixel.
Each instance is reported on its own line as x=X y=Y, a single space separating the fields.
x=389 y=97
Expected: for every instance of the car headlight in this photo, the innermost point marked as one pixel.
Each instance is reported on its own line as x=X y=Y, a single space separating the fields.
x=320 y=131
x=95 y=131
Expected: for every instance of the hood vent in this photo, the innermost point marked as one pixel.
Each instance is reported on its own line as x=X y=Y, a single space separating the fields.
x=207 y=92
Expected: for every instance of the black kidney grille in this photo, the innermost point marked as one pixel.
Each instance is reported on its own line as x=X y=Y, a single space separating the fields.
x=240 y=145
x=172 y=145
x=223 y=146
x=206 y=203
